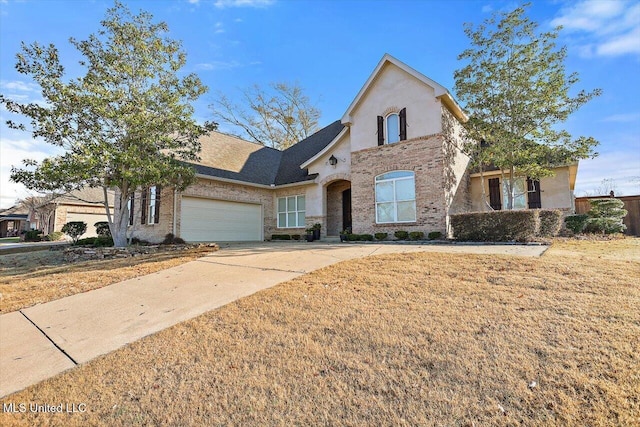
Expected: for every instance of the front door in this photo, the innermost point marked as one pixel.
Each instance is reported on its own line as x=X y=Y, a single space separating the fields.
x=346 y=209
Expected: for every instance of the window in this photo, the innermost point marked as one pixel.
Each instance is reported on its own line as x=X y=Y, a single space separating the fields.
x=130 y=208
x=291 y=212
x=393 y=128
x=395 y=197
x=150 y=211
x=519 y=193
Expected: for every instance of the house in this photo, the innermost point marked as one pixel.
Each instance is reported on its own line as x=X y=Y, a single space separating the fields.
x=392 y=162
x=13 y=221
x=55 y=211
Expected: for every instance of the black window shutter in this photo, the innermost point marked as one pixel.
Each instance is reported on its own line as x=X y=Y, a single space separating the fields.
x=494 y=194
x=131 y=209
x=403 y=124
x=380 y=130
x=156 y=214
x=143 y=206
x=533 y=194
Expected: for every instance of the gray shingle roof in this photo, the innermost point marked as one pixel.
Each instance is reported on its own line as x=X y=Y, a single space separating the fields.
x=225 y=156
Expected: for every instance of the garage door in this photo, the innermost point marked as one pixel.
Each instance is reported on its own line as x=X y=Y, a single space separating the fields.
x=90 y=219
x=206 y=220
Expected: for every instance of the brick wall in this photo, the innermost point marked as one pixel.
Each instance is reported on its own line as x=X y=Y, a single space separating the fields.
x=153 y=233
x=424 y=156
x=334 y=207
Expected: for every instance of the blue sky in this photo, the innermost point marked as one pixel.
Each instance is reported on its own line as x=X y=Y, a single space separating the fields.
x=331 y=47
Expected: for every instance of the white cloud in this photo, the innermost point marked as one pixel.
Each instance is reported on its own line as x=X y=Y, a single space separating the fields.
x=487 y=8
x=219 y=28
x=623 y=168
x=18 y=85
x=604 y=28
x=194 y=1
x=12 y=152
x=622 y=118
x=218 y=65
x=221 y=4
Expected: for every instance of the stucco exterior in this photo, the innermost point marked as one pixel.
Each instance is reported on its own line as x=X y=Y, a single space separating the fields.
x=556 y=192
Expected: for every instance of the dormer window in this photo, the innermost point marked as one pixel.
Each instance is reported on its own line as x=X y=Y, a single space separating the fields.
x=392 y=128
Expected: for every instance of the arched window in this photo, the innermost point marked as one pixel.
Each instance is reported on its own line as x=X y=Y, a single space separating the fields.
x=393 y=128
x=395 y=197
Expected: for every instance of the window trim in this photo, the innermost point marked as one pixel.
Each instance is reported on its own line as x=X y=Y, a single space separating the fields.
x=395 y=200
x=287 y=211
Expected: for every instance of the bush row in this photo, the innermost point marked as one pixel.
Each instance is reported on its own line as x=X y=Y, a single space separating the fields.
x=286 y=237
x=505 y=226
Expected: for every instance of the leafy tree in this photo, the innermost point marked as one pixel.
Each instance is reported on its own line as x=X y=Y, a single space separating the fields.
x=516 y=90
x=278 y=117
x=75 y=229
x=126 y=124
x=102 y=229
x=606 y=216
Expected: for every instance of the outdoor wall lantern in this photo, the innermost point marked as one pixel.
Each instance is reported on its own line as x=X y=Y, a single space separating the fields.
x=333 y=160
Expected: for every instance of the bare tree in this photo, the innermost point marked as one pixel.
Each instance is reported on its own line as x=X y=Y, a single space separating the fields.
x=606 y=187
x=277 y=117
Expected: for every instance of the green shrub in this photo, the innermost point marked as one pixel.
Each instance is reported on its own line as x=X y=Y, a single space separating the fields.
x=606 y=216
x=381 y=236
x=416 y=235
x=351 y=237
x=280 y=237
x=496 y=226
x=55 y=236
x=74 y=229
x=401 y=235
x=296 y=236
x=140 y=242
x=576 y=223
x=434 y=235
x=366 y=237
x=100 y=241
x=33 y=236
x=550 y=222
x=170 y=239
x=102 y=228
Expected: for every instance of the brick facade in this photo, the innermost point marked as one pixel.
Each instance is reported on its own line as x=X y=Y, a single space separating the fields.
x=424 y=156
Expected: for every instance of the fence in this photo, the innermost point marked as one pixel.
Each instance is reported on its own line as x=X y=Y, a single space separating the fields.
x=631 y=204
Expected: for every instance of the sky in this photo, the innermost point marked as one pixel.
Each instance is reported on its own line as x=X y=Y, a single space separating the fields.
x=330 y=47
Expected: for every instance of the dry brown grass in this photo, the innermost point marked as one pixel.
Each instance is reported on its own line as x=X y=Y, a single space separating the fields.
x=411 y=339
x=37 y=277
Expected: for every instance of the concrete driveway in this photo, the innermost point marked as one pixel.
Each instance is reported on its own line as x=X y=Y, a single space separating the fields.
x=41 y=341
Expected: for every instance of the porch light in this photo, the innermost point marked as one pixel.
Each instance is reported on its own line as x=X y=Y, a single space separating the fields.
x=333 y=160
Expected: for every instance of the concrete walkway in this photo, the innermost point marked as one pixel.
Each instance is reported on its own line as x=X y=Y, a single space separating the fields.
x=39 y=342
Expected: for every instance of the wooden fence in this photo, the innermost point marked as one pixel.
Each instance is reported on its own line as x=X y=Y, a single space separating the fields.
x=631 y=204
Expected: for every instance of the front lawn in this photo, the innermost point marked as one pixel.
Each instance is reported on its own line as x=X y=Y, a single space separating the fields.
x=398 y=340
x=10 y=240
x=40 y=276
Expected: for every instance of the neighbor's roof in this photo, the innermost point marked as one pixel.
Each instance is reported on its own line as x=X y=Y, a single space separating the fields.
x=18 y=211
x=229 y=157
x=85 y=195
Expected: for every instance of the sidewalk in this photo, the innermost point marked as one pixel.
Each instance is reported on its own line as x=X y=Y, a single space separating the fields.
x=39 y=342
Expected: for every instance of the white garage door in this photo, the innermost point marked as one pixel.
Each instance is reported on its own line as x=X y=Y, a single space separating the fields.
x=206 y=220
x=90 y=219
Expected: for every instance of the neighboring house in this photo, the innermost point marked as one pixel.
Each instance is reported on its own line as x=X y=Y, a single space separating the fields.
x=393 y=162
x=81 y=205
x=13 y=221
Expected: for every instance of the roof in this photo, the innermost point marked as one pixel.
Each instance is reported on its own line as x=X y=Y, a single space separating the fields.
x=86 y=195
x=294 y=156
x=228 y=157
x=18 y=211
x=440 y=91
